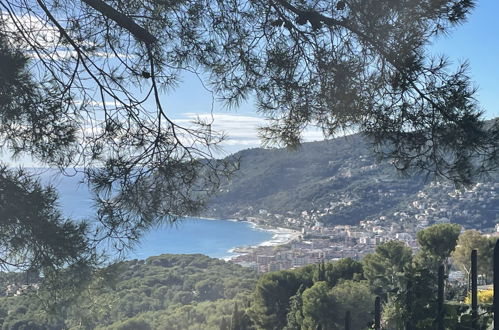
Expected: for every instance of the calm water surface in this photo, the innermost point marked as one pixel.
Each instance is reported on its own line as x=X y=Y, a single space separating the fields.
x=191 y=235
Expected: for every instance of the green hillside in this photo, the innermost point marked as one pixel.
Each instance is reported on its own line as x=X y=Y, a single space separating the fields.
x=163 y=292
x=194 y=292
x=343 y=183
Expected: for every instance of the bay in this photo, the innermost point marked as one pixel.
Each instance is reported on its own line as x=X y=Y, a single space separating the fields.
x=212 y=237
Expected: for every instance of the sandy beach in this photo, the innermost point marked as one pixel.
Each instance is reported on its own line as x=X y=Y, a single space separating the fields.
x=280 y=236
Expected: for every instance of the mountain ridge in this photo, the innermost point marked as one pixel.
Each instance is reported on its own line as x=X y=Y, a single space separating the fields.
x=340 y=181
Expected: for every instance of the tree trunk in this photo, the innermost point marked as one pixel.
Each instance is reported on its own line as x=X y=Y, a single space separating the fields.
x=377 y=313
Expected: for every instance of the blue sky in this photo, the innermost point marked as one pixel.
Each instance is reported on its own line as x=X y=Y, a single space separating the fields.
x=476 y=41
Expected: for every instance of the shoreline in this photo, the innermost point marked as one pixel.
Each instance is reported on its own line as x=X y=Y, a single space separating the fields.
x=280 y=236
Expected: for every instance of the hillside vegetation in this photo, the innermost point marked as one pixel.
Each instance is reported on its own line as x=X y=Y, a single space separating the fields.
x=163 y=292
x=341 y=182
x=188 y=292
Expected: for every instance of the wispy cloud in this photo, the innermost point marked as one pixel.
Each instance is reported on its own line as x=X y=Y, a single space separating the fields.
x=97 y=104
x=241 y=130
x=45 y=40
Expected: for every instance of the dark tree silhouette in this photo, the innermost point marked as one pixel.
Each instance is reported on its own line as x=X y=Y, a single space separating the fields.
x=33 y=233
x=36 y=239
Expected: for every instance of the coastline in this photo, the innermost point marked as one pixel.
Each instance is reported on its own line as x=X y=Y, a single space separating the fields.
x=217 y=238
x=280 y=236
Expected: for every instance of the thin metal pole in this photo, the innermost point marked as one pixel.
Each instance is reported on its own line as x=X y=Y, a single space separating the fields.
x=440 y=298
x=377 y=313
x=348 y=321
x=474 y=290
x=408 y=303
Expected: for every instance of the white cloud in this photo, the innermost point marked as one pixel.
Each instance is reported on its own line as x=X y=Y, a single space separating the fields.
x=44 y=37
x=41 y=32
x=241 y=130
x=97 y=104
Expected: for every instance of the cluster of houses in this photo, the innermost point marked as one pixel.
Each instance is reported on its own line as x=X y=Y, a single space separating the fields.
x=320 y=243
x=475 y=207
x=17 y=289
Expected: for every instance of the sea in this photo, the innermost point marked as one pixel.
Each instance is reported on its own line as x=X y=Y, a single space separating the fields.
x=212 y=237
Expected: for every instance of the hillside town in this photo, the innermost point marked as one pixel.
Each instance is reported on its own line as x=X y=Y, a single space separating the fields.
x=316 y=242
x=319 y=243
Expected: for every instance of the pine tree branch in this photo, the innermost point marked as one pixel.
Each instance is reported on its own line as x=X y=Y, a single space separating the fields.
x=122 y=20
x=313 y=15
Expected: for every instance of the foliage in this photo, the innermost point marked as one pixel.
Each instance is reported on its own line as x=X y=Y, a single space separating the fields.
x=317 y=307
x=333 y=64
x=343 y=181
x=69 y=98
x=394 y=314
x=272 y=180
x=484 y=297
x=159 y=293
x=271 y=298
x=54 y=254
x=414 y=301
x=462 y=317
x=471 y=240
x=355 y=297
x=34 y=235
x=143 y=168
x=408 y=284
x=439 y=240
x=286 y=299
x=295 y=314
x=80 y=88
x=194 y=291
x=324 y=306
x=239 y=320
x=131 y=324
x=343 y=269
x=32 y=115
x=385 y=269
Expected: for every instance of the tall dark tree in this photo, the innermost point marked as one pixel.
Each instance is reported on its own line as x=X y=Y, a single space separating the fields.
x=343 y=269
x=355 y=297
x=35 y=238
x=271 y=298
x=33 y=233
x=439 y=240
x=295 y=314
x=473 y=240
x=239 y=320
x=317 y=307
x=385 y=269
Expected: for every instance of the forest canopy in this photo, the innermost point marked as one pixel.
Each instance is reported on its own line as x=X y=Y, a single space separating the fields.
x=198 y=292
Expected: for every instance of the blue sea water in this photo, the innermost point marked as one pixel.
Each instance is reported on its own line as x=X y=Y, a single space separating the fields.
x=214 y=238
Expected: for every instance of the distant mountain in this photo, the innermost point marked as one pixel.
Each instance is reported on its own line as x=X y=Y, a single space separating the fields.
x=340 y=182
